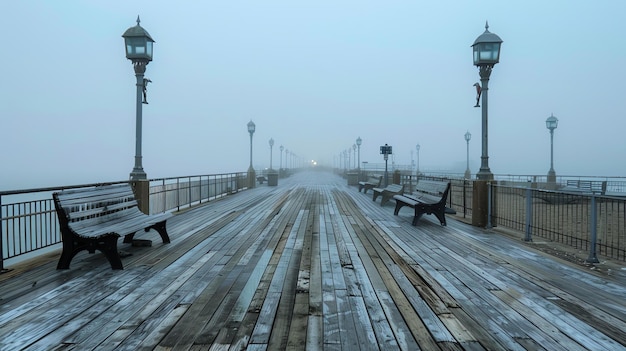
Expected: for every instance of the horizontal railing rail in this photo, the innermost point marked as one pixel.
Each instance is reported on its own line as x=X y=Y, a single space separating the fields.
x=29 y=224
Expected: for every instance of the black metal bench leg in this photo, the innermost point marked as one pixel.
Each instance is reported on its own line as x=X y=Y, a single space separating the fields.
x=109 y=249
x=128 y=239
x=399 y=205
x=160 y=227
x=441 y=215
x=66 y=258
x=419 y=211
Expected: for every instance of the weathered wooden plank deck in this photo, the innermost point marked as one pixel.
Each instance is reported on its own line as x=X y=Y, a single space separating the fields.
x=314 y=264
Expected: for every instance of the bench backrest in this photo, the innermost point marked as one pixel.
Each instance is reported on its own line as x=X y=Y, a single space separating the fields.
x=395 y=188
x=375 y=180
x=432 y=187
x=97 y=202
x=596 y=187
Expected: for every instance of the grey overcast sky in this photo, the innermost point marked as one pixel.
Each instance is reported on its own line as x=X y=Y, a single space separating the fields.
x=312 y=75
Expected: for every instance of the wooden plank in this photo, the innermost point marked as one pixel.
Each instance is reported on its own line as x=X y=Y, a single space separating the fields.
x=263 y=326
x=365 y=330
x=347 y=321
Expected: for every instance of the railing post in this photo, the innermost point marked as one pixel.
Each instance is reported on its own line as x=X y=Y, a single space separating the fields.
x=164 y=191
x=593 y=258
x=489 y=205
x=2 y=270
x=177 y=194
x=190 y=200
x=529 y=214
x=480 y=210
x=200 y=189
x=464 y=198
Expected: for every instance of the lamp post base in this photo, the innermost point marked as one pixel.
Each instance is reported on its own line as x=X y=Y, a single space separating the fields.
x=138 y=174
x=251 y=178
x=484 y=174
x=551 y=176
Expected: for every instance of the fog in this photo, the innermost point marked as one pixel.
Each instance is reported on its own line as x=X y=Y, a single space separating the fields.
x=313 y=76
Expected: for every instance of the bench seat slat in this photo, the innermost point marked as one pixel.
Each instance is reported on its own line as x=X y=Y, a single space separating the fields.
x=129 y=222
x=100 y=211
x=129 y=226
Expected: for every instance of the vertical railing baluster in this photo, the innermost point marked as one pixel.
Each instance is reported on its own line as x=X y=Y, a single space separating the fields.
x=593 y=258
x=489 y=204
x=529 y=214
x=2 y=270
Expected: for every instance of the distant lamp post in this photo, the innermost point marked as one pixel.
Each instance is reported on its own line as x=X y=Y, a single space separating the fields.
x=271 y=152
x=417 y=148
x=139 y=50
x=486 y=54
x=385 y=150
x=354 y=154
x=551 y=123
x=358 y=144
x=281 y=148
x=251 y=173
x=468 y=173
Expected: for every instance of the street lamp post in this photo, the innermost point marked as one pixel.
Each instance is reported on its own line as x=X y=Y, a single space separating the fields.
x=281 y=158
x=271 y=152
x=551 y=124
x=385 y=150
x=251 y=173
x=354 y=155
x=486 y=54
x=468 y=173
x=139 y=50
x=359 y=141
x=417 y=148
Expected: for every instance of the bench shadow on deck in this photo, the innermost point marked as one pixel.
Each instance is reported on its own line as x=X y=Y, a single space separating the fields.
x=314 y=264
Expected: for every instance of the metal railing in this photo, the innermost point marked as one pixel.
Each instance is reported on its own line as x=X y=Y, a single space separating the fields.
x=586 y=221
x=29 y=224
x=176 y=193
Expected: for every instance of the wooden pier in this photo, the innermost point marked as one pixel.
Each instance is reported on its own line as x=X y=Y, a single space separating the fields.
x=313 y=264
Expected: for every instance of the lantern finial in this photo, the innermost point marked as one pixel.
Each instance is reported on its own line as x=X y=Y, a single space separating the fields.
x=138 y=20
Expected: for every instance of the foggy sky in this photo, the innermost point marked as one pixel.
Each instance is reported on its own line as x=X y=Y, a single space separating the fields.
x=313 y=76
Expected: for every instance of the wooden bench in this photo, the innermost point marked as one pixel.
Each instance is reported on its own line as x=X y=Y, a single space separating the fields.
x=371 y=183
x=94 y=218
x=585 y=186
x=387 y=192
x=261 y=179
x=429 y=197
